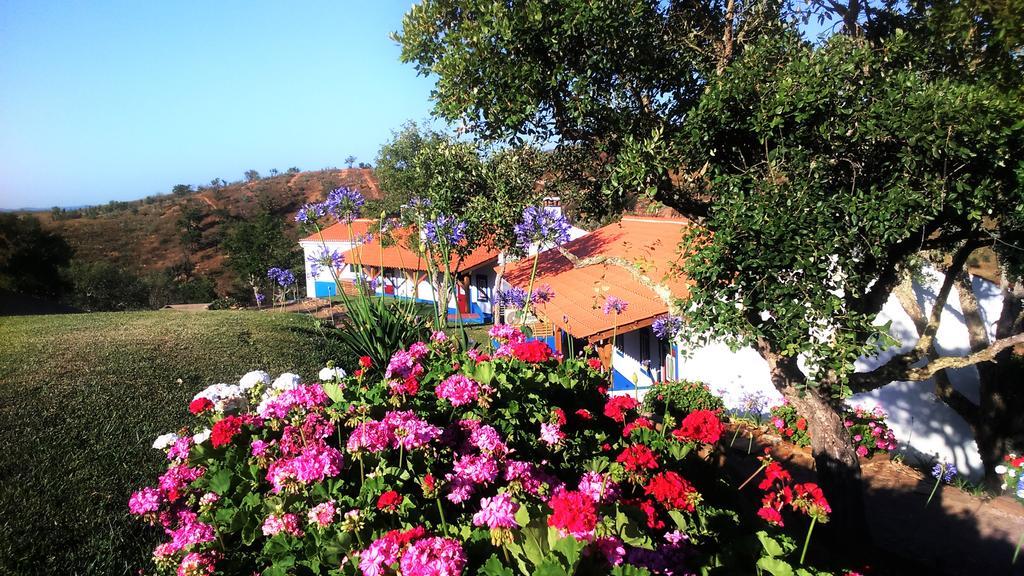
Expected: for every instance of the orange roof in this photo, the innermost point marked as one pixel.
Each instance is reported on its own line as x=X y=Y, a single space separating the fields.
x=340 y=232
x=651 y=244
x=400 y=256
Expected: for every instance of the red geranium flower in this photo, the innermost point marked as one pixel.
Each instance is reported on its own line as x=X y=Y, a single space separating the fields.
x=801 y=424
x=638 y=423
x=770 y=515
x=594 y=363
x=701 y=426
x=617 y=405
x=224 y=430
x=773 y=473
x=200 y=405
x=637 y=459
x=573 y=513
x=649 y=510
x=532 y=351
x=673 y=491
x=365 y=361
x=559 y=415
x=584 y=414
x=389 y=501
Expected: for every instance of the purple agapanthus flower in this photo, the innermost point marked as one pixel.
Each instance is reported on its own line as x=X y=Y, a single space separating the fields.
x=311 y=213
x=666 y=327
x=512 y=298
x=541 y=225
x=445 y=229
x=344 y=204
x=944 y=470
x=329 y=258
x=260 y=298
x=614 y=304
x=419 y=203
x=515 y=297
x=281 y=277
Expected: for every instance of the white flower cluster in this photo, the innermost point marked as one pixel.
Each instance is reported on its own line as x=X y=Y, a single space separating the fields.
x=227 y=398
x=328 y=374
x=165 y=441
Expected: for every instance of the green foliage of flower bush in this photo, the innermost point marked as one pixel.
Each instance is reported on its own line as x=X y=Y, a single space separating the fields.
x=680 y=398
x=82 y=396
x=449 y=461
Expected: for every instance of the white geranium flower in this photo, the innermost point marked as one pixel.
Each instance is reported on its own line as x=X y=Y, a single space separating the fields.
x=765 y=315
x=202 y=436
x=328 y=374
x=252 y=379
x=1000 y=469
x=287 y=381
x=1012 y=473
x=165 y=441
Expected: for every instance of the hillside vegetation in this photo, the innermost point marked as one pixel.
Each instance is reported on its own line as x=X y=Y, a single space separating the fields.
x=82 y=397
x=164 y=232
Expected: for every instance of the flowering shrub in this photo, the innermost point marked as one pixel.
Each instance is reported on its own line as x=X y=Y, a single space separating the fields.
x=1012 y=473
x=870 y=434
x=450 y=462
x=867 y=428
x=790 y=425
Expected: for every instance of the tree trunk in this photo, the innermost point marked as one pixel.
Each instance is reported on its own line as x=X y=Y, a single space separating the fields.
x=994 y=431
x=835 y=458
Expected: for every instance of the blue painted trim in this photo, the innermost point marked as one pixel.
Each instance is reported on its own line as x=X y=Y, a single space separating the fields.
x=620 y=382
x=325 y=289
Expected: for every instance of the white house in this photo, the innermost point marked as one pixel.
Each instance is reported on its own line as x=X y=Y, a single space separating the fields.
x=336 y=238
x=624 y=341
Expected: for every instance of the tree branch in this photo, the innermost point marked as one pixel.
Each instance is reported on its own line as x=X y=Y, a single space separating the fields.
x=952 y=273
x=925 y=372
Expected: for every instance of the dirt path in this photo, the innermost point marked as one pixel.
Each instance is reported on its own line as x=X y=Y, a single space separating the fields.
x=957 y=534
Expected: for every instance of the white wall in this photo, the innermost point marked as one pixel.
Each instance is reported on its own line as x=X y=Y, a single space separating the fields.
x=926 y=428
x=627 y=359
x=314 y=249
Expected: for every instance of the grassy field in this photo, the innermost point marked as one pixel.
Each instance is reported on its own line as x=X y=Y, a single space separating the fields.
x=81 y=399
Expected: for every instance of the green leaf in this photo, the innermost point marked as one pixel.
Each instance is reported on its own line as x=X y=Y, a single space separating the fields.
x=484 y=372
x=221 y=482
x=773 y=547
x=775 y=566
x=333 y=391
x=494 y=567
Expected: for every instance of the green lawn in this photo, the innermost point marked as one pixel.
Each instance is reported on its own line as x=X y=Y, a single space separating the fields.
x=81 y=399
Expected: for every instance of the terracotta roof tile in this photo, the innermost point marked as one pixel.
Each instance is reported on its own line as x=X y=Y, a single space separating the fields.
x=339 y=232
x=580 y=293
x=402 y=257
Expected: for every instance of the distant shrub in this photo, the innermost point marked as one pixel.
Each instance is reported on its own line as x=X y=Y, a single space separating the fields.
x=106 y=287
x=225 y=303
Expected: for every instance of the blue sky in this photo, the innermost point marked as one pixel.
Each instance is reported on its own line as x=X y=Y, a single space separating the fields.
x=109 y=100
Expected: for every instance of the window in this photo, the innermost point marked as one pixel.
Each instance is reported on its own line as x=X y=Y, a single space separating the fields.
x=482 y=289
x=620 y=344
x=645 y=345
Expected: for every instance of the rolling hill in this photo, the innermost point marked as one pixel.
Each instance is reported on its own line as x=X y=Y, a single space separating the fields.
x=148 y=235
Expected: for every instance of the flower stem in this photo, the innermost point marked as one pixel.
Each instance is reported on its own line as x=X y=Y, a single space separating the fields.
x=440 y=511
x=752 y=476
x=807 y=540
x=934 y=488
x=1017 y=550
x=529 y=292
